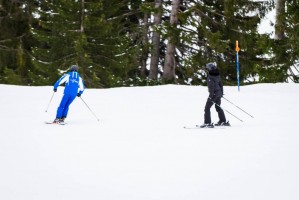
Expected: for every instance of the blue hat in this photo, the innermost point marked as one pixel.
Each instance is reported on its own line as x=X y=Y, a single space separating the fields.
x=212 y=65
x=74 y=68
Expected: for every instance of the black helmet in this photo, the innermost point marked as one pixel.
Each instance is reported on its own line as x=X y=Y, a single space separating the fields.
x=211 y=66
x=74 y=68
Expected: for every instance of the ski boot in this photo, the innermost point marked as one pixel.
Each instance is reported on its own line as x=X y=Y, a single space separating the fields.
x=222 y=123
x=207 y=125
x=61 y=120
x=57 y=121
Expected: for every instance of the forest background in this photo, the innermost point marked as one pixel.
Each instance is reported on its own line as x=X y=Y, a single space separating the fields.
x=146 y=42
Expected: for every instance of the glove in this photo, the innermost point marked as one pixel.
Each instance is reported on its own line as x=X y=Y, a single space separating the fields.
x=55 y=90
x=78 y=95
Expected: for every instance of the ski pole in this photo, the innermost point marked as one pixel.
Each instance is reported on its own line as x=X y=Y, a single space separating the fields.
x=89 y=109
x=50 y=101
x=226 y=110
x=238 y=107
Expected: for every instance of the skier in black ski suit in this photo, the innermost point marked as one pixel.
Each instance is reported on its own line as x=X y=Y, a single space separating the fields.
x=215 y=87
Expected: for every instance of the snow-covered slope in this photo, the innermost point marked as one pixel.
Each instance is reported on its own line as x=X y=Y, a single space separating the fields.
x=139 y=149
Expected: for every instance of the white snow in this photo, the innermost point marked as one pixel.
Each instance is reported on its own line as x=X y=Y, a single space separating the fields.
x=139 y=149
x=267 y=24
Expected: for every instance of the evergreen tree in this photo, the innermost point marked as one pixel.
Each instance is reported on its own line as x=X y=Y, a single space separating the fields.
x=114 y=41
x=291 y=42
x=219 y=24
x=15 y=39
x=96 y=35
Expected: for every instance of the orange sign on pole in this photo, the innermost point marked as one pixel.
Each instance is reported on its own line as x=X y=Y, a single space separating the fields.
x=237 y=64
x=237 y=46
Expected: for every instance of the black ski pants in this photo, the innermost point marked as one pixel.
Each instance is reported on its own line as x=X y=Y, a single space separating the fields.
x=209 y=104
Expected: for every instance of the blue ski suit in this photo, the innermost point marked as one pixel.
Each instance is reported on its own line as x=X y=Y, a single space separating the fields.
x=73 y=86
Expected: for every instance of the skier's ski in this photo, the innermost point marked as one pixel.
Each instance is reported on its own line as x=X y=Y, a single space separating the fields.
x=191 y=127
x=206 y=126
x=222 y=126
x=53 y=123
x=197 y=127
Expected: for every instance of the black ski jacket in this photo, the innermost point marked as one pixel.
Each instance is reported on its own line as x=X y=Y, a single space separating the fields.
x=215 y=84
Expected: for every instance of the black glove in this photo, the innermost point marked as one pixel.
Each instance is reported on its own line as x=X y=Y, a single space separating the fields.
x=55 y=90
x=78 y=95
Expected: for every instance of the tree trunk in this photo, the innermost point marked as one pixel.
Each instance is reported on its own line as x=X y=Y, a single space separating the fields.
x=156 y=41
x=82 y=16
x=280 y=20
x=144 y=45
x=170 y=64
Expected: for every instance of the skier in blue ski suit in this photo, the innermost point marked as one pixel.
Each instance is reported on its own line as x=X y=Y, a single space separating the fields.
x=74 y=86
